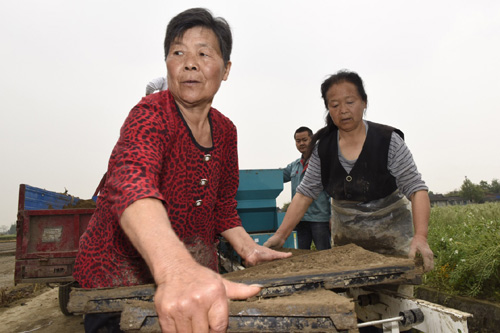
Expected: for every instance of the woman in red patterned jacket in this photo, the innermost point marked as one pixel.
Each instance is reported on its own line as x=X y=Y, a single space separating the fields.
x=170 y=190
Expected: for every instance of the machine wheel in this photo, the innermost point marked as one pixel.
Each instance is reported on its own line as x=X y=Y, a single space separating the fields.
x=64 y=290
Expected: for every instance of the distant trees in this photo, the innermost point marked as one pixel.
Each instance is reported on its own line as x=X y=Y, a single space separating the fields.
x=494 y=187
x=476 y=192
x=10 y=231
x=455 y=193
x=471 y=191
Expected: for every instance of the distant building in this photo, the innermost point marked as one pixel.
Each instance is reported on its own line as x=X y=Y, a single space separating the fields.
x=440 y=200
x=491 y=197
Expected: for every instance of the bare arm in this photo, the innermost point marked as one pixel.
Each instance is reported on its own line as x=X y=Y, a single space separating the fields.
x=421 y=213
x=189 y=297
x=250 y=251
x=298 y=207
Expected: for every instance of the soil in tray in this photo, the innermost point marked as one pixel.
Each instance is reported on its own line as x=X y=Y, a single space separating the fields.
x=298 y=304
x=82 y=204
x=338 y=259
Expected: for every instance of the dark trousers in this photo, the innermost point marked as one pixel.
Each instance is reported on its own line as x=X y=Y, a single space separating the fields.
x=319 y=232
x=102 y=323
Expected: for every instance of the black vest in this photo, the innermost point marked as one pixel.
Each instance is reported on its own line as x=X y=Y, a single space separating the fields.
x=369 y=179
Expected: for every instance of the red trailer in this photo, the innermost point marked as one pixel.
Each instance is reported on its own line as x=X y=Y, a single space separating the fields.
x=48 y=231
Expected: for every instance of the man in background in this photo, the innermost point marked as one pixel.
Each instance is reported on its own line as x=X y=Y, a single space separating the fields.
x=315 y=225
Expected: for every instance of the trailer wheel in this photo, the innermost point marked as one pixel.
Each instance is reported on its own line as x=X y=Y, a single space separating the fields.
x=64 y=290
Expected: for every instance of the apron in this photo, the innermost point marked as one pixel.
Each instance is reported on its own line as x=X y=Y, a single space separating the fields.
x=384 y=226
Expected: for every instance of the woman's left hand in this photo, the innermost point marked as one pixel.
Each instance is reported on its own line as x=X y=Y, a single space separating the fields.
x=419 y=244
x=260 y=254
x=251 y=252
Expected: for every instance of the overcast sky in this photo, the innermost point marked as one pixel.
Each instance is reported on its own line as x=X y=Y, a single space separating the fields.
x=72 y=70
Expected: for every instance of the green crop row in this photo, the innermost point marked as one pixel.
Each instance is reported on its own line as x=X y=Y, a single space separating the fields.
x=7 y=237
x=466 y=245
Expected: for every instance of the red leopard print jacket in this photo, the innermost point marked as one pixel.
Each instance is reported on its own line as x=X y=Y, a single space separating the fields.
x=157 y=157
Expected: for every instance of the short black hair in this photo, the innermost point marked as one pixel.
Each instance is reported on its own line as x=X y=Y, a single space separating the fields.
x=303 y=129
x=200 y=17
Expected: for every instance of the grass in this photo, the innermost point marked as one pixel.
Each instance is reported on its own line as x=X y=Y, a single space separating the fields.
x=466 y=245
x=4 y=238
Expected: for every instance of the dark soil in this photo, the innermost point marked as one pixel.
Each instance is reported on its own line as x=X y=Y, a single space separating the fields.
x=82 y=204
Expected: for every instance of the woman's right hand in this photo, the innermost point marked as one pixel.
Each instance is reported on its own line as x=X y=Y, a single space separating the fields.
x=275 y=241
x=298 y=207
x=197 y=300
x=189 y=297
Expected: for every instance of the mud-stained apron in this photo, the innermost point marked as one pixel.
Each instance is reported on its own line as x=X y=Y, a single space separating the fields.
x=383 y=226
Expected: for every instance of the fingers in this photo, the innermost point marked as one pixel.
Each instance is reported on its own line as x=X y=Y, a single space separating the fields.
x=197 y=302
x=281 y=255
x=239 y=290
x=274 y=241
x=413 y=251
x=428 y=260
x=268 y=243
x=419 y=245
x=173 y=320
x=215 y=320
x=428 y=264
x=262 y=254
x=218 y=318
x=202 y=312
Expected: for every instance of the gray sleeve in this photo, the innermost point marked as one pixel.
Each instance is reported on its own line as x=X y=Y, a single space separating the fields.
x=311 y=185
x=402 y=167
x=160 y=83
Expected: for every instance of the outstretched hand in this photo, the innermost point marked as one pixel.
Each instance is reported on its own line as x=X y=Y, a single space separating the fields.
x=197 y=301
x=262 y=254
x=419 y=244
x=274 y=242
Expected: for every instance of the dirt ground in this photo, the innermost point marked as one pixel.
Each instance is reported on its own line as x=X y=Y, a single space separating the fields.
x=31 y=308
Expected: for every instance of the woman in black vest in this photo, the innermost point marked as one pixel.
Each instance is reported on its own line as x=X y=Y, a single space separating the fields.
x=369 y=172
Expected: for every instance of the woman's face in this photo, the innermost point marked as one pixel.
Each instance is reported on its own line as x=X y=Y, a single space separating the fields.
x=345 y=106
x=195 y=68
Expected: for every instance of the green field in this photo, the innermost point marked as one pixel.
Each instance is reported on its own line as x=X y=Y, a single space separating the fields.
x=466 y=245
x=7 y=238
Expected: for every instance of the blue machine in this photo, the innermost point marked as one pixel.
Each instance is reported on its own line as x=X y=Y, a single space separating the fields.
x=257 y=209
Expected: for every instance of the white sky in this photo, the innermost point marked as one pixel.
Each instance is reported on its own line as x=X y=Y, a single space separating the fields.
x=72 y=70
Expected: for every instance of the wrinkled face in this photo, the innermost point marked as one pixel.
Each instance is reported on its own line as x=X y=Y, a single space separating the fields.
x=195 y=68
x=302 y=140
x=345 y=106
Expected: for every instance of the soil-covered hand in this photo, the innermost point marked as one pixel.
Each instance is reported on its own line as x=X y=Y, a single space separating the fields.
x=419 y=244
x=197 y=301
x=274 y=242
x=262 y=254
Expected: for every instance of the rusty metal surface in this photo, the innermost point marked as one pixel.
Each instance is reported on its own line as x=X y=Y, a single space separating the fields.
x=290 y=285
x=107 y=299
x=47 y=243
x=140 y=316
x=50 y=233
x=307 y=313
